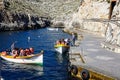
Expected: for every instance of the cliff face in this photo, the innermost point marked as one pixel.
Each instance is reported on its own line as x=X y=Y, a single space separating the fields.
x=21 y=21
x=93 y=16
x=56 y=11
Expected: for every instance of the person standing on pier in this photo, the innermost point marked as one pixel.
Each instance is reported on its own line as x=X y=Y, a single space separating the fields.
x=74 y=38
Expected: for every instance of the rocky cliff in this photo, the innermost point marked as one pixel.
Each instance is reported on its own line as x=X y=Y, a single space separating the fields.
x=54 y=11
x=95 y=17
x=57 y=10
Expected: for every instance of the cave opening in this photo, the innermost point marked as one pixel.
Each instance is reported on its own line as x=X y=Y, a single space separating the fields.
x=112 y=5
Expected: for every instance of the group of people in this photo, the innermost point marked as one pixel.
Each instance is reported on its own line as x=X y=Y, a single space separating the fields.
x=19 y=52
x=22 y=52
x=68 y=41
x=63 y=42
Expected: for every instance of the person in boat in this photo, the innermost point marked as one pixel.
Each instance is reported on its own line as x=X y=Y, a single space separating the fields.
x=27 y=52
x=62 y=41
x=58 y=42
x=4 y=53
x=67 y=41
x=22 y=52
x=15 y=52
x=31 y=50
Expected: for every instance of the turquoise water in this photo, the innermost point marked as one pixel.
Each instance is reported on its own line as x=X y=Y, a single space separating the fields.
x=54 y=66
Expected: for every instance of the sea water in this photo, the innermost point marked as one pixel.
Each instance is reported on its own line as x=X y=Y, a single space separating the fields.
x=55 y=66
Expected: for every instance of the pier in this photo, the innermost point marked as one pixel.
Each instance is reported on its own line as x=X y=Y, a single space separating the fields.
x=88 y=54
x=77 y=58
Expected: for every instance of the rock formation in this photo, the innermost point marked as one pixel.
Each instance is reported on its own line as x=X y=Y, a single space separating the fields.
x=57 y=10
x=96 y=17
x=20 y=21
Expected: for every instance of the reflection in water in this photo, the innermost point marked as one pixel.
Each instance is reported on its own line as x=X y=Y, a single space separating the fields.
x=59 y=57
x=28 y=39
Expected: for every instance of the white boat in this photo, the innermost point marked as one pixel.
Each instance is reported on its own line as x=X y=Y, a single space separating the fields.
x=52 y=29
x=62 y=48
x=1 y=78
x=31 y=59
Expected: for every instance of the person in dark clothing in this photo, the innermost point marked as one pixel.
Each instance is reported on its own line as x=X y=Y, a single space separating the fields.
x=74 y=38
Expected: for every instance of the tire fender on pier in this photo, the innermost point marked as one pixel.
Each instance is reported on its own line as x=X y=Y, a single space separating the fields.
x=85 y=74
x=74 y=69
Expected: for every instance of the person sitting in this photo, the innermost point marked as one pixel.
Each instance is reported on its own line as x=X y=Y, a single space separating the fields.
x=27 y=52
x=22 y=52
x=8 y=51
x=63 y=41
x=57 y=42
x=31 y=50
x=4 y=53
x=67 y=41
x=15 y=52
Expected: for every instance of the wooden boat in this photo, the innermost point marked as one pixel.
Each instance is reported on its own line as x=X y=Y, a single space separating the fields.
x=52 y=29
x=62 y=48
x=31 y=59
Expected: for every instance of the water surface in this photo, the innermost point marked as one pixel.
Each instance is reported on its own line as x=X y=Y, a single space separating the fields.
x=55 y=65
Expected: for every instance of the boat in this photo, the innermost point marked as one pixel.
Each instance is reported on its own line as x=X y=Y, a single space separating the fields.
x=62 y=48
x=1 y=78
x=30 y=59
x=52 y=29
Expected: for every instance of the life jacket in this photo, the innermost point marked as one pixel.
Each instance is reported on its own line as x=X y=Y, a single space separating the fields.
x=4 y=53
x=27 y=52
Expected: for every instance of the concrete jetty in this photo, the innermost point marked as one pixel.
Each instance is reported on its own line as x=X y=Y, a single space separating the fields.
x=91 y=56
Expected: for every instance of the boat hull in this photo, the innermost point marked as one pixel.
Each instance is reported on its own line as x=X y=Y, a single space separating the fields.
x=52 y=29
x=62 y=49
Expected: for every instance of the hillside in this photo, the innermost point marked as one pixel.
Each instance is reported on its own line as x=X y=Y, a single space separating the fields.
x=55 y=9
x=17 y=14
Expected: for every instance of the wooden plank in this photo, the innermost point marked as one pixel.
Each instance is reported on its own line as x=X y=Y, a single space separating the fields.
x=82 y=58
